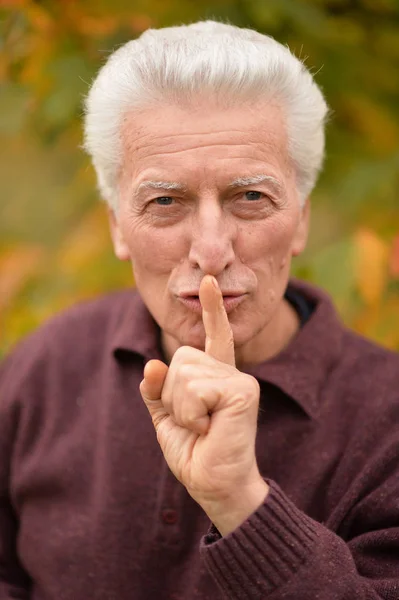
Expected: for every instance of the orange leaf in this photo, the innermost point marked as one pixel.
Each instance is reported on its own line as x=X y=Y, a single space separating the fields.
x=92 y=26
x=140 y=22
x=371 y=265
x=12 y=3
x=39 y=18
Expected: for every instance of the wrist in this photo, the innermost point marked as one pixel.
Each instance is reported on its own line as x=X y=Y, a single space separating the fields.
x=230 y=512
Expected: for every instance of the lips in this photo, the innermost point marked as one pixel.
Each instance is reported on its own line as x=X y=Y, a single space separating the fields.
x=230 y=300
x=227 y=293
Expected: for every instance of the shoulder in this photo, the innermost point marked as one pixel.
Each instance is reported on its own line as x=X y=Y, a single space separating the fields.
x=348 y=352
x=82 y=333
x=363 y=357
x=355 y=373
x=97 y=317
x=365 y=379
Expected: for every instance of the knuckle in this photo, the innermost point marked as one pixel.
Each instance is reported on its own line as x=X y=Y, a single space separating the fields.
x=184 y=353
x=193 y=418
x=240 y=404
x=180 y=353
x=185 y=372
x=255 y=385
x=191 y=387
x=247 y=393
x=190 y=417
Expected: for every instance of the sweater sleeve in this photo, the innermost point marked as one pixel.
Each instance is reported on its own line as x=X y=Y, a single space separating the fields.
x=14 y=581
x=282 y=554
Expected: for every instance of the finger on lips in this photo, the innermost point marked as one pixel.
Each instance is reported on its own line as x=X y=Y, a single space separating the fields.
x=219 y=341
x=185 y=394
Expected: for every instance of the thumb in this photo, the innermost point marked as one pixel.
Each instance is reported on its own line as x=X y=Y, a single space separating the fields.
x=151 y=386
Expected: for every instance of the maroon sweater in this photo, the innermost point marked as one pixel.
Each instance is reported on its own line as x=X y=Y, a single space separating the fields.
x=89 y=509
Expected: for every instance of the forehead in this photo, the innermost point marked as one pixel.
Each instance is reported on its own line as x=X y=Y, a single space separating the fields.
x=205 y=139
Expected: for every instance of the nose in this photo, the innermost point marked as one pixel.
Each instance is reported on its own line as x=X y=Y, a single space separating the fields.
x=212 y=237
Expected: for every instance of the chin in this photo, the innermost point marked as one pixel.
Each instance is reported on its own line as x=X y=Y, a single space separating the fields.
x=241 y=336
x=186 y=334
x=194 y=339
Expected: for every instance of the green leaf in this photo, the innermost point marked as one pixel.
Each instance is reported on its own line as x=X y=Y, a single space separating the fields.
x=14 y=104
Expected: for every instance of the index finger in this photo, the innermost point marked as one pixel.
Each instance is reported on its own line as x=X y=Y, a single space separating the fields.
x=219 y=341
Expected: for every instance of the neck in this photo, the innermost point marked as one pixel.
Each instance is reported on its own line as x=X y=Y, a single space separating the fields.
x=271 y=340
x=268 y=342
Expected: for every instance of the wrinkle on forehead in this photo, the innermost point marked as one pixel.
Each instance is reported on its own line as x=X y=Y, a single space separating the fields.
x=156 y=142
x=139 y=127
x=158 y=136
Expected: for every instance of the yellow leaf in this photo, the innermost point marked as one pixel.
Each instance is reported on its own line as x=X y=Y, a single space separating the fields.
x=394 y=261
x=380 y=323
x=17 y=265
x=373 y=121
x=86 y=241
x=371 y=258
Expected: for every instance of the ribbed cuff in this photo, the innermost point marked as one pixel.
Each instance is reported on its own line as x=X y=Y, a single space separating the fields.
x=263 y=553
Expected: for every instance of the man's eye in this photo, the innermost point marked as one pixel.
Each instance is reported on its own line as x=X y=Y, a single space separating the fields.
x=163 y=201
x=253 y=195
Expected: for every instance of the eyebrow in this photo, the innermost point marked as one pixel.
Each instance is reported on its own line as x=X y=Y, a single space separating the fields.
x=255 y=179
x=161 y=185
x=237 y=183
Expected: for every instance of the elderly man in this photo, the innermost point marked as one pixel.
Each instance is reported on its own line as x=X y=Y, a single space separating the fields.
x=274 y=471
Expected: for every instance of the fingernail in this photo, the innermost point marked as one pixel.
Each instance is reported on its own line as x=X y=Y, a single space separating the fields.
x=214 y=283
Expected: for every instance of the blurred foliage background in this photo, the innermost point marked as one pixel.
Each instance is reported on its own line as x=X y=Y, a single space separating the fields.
x=54 y=242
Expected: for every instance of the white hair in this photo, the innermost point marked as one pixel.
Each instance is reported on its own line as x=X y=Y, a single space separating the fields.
x=177 y=64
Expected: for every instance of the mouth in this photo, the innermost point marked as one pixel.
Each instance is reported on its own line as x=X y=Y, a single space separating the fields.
x=192 y=302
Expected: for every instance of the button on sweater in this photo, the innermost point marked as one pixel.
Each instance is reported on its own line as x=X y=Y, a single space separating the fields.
x=90 y=510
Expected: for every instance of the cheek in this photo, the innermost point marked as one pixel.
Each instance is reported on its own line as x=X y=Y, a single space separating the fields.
x=267 y=245
x=153 y=250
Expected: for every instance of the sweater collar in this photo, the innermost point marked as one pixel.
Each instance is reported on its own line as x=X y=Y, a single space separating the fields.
x=300 y=370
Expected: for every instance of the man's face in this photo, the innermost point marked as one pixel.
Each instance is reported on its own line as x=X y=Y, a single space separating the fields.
x=208 y=190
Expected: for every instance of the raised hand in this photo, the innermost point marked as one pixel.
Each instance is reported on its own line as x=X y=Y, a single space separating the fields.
x=205 y=414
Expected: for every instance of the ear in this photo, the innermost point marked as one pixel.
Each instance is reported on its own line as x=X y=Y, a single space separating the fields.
x=120 y=247
x=301 y=235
